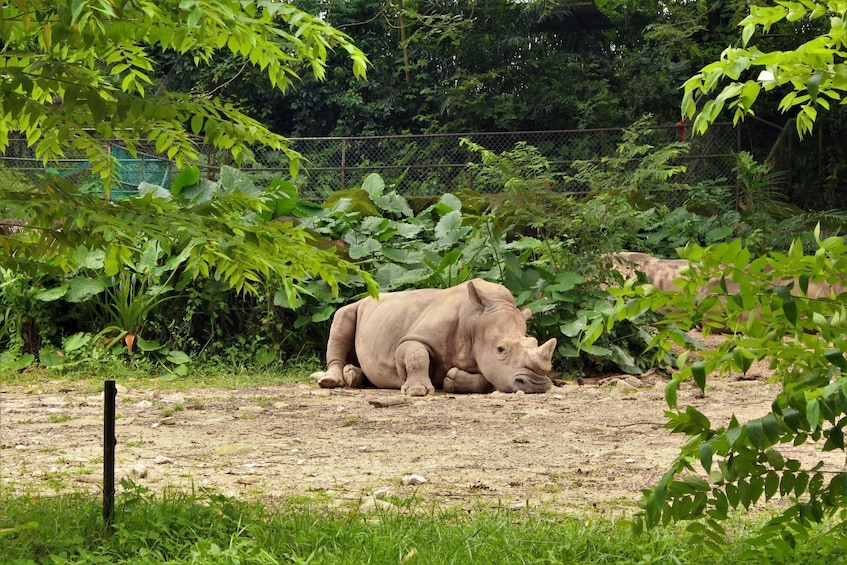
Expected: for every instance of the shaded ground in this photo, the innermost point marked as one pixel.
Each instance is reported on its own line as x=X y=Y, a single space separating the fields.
x=573 y=447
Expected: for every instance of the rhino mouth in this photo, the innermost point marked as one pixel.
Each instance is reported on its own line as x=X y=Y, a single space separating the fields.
x=529 y=382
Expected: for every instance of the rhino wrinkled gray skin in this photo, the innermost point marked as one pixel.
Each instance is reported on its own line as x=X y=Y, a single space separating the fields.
x=470 y=338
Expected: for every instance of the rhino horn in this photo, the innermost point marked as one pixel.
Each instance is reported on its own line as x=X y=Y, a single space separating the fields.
x=541 y=358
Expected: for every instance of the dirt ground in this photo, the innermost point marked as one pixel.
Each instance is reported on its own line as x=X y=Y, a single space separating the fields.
x=577 y=446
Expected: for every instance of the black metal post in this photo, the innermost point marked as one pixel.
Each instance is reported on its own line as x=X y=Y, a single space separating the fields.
x=110 y=392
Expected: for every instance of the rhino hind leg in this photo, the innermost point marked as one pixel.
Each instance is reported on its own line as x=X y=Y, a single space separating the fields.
x=340 y=350
x=458 y=381
x=412 y=359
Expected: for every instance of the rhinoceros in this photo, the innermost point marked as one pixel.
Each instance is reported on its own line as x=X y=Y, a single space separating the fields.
x=470 y=338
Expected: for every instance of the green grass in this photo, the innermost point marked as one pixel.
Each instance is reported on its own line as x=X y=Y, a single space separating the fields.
x=208 y=528
x=204 y=527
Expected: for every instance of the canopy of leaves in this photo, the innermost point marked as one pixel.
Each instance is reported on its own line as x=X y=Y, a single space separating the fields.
x=814 y=72
x=75 y=73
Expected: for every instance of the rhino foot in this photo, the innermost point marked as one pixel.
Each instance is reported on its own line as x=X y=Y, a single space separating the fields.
x=326 y=379
x=416 y=391
x=353 y=376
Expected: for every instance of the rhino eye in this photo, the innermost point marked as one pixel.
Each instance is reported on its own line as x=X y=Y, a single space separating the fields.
x=501 y=349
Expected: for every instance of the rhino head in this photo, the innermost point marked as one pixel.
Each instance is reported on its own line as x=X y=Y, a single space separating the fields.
x=505 y=355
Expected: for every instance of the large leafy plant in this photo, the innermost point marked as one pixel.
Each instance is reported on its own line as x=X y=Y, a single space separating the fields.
x=449 y=242
x=776 y=310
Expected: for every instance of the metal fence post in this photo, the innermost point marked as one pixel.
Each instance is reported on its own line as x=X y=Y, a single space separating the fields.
x=110 y=392
x=343 y=163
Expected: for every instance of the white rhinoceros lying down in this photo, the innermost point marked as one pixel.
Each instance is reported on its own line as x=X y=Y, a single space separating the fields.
x=468 y=338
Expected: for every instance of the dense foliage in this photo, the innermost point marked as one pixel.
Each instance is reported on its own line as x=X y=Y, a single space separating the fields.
x=77 y=73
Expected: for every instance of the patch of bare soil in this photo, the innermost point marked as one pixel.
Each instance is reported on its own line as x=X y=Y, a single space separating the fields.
x=578 y=446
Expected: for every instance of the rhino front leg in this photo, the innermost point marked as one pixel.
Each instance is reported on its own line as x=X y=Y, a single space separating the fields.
x=458 y=381
x=412 y=360
x=339 y=351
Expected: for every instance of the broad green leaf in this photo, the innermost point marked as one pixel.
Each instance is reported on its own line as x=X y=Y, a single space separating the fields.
x=771 y=484
x=81 y=289
x=89 y=258
x=76 y=341
x=732 y=434
x=284 y=197
x=187 y=176
x=147 y=345
x=365 y=249
x=51 y=357
x=323 y=313
x=448 y=225
x=771 y=427
x=178 y=357
x=575 y=326
x=448 y=203
x=373 y=185
x=52 y=294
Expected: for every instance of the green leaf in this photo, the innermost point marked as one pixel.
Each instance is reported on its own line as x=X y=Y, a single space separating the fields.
x=836 y=357
x=11 y=361
x=448 y=225
x=698 y=371
x=747 y=33
x=51 y=357
x=671 y=393
x=52 y=294
x=323 y=313
x=373 y=185
x=755 y=433
x=178 y=357
x=813 y=413
x=76 y=341
x=187 y=176
x=146 y=345
x=742 y=359
x=814 y=84
x=365 y=249
x=706 y=452
x=81 y=289
x=284 y=196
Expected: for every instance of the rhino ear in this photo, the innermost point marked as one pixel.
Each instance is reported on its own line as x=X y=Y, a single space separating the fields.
x=476 y=296
x=526 y=313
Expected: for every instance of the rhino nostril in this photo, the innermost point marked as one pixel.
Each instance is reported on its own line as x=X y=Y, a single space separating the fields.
x=520 y=383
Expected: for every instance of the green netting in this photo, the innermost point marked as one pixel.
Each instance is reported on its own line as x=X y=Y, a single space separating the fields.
x=135 y=170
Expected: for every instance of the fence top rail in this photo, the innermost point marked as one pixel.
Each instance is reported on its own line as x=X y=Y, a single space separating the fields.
x=487 y=133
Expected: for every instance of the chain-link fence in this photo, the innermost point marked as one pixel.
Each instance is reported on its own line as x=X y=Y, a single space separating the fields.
x=425 y=165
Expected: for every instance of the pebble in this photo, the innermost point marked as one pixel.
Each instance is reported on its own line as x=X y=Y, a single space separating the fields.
x=162 y=460
x=138 y=472
x=412 y=480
